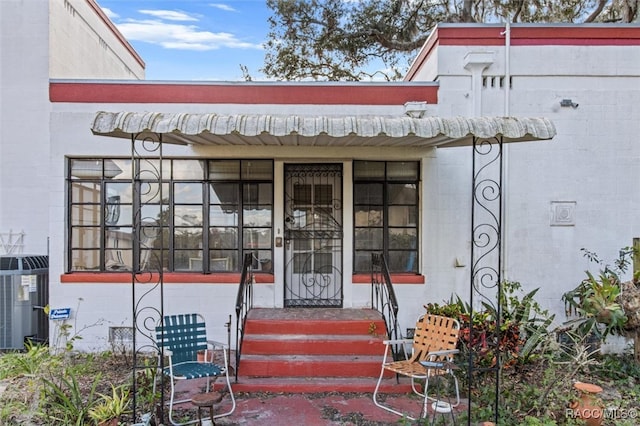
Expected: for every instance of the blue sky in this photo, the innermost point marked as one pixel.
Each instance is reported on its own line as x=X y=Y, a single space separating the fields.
x=194 y=39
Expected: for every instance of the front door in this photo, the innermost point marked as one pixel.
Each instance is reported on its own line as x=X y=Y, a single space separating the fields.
x=313 y=235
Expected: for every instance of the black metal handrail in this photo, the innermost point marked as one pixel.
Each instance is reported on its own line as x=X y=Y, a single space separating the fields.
x=383 y=298
x=244 y=302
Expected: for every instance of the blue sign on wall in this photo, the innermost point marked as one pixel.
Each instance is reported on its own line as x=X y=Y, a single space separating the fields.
x=60 y=313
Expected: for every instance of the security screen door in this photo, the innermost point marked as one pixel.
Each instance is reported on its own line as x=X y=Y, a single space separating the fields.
x=313 y=235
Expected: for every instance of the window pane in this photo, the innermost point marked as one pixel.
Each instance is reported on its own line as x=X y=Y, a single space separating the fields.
x=223 y=238
x=187 y=216
x=155 y=214
x=323 y=194
x=188 y=238
x=362 y=261
x=368 y=216
x=118 y=259
x=257 y=216
x=86 y=169
x=118 y=192
x=402 y=238
x=224 y=169
x=151 y=170
x=402 y=216
x=85 y=237
x=223 y=193
x=368 y=193
x=223 y=260
x=188 y=169
x=368 y=238
x=403 y=193
x=118 y=214
x=187 y=260
x=85 y=260
x=264 y=263
x=85 y=214
x=302 y=194
x=365 y=170
x=256 y=238
x=150 y=192
x=86 y=192
x=187 y=193
x=257 y=193
x=151 y=260
x=150 y=237
x=403 y=261
x=117 y=169
x=257 y=169
x=402 y=170
x=223 y=215
x=323 y=262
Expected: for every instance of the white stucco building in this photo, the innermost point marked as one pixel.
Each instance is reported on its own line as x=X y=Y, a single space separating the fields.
x=260 y=163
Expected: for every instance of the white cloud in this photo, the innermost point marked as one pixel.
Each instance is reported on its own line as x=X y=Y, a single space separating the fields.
x=177 y=36
x=223 y=6
x=110 y=14
x=169 y=15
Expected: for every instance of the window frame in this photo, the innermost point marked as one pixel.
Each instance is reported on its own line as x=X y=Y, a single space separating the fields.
x=167 y=205
x=386 y=181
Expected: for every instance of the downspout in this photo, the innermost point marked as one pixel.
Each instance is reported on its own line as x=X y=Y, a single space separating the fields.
x=505 y=148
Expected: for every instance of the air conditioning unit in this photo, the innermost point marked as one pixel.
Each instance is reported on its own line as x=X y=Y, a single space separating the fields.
x=24 y=292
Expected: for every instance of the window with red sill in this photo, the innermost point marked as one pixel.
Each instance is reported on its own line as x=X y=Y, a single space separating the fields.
x=193 y=215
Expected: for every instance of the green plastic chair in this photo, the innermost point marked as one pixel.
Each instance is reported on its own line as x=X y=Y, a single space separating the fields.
x=180 y=338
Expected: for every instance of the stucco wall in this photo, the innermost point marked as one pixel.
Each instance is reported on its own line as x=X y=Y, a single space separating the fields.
x=24 y=118
x=592 y=162
x=84 y=44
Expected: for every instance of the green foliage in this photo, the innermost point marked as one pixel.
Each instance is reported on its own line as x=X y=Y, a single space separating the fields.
x=337 y=39
x=30 y=362
x=515 y=330
x=111 y=406
x=66 y=402
x=145 y=379
x=594 y=301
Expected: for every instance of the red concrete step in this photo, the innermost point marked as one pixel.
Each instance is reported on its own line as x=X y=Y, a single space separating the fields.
x=315 y=344
x=313 y=350
x=310 y=365
x=314 y=321
x=317 y=385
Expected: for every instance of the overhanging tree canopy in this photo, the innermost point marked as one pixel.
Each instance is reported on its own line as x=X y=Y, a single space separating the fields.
x=336 y=39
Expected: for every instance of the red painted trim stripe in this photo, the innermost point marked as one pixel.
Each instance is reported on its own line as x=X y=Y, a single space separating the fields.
x=219 y=93
x=395 y=278
x=93 y=5
x=566 y=35
x=168 y=277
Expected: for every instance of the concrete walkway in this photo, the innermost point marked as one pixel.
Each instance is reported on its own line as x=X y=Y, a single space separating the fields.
x=326 y=409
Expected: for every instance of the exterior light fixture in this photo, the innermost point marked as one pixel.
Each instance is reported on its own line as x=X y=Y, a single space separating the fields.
x=568 y=103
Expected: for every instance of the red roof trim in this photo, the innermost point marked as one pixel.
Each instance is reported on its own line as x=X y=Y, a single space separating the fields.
x=168 y=277
x=92 y=4
x=239 y=93
x=525 y=35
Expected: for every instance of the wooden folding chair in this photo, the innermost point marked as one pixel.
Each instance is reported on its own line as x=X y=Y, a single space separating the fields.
x=430 y=354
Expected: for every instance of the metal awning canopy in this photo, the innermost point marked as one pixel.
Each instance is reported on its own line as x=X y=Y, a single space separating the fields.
x=318 y=130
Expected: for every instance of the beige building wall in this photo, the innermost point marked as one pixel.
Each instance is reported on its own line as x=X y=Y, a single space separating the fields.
x=84 y=43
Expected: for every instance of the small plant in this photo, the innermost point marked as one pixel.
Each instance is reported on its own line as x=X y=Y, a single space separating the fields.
x=594 y=302
x=66 y=402
x=111 y=407
x=515 y=333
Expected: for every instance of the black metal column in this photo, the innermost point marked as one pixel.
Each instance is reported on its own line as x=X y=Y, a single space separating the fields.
x=147 y=290
x=486 y=257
